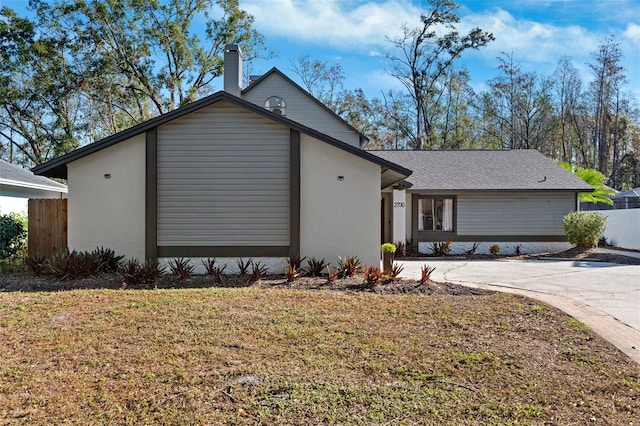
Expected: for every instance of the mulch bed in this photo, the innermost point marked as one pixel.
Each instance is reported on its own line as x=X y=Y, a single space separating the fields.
x=29 y=282
x=26 y=281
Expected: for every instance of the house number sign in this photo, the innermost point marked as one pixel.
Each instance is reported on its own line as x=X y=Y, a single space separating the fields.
x=398 y=204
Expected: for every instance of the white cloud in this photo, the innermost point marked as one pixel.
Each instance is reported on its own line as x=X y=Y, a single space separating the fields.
x=633 y=32
x=531 y=40
x=360 y=25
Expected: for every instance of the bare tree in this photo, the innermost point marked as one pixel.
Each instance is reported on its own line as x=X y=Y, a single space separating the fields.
x=422 y=57
x=320 y=79
x=608 y=77
x=568 y=87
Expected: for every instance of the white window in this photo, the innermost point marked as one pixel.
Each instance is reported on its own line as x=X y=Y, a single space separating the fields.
x=275 y=104
x=435 y=214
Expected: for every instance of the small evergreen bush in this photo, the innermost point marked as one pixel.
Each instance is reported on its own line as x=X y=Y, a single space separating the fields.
x=584 y=228
x=13 y=233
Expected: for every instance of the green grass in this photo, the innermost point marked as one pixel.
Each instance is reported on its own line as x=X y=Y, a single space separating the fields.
x=255 y=356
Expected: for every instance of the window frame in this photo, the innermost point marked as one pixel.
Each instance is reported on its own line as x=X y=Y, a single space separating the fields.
x=282 y=108
x=430 y=235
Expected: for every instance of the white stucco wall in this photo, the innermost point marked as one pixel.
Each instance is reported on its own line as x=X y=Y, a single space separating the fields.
x=338 y=217
x=109 y=212
x=623 y=228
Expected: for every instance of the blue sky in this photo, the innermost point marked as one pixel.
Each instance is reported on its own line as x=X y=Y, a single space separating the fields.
x=354 y=34
x=538 y=33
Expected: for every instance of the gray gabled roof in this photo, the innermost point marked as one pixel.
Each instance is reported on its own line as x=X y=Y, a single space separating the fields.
x=58 y=166
x=363 y=138
x=631 y=193
x=475 y=170
x=12 y=175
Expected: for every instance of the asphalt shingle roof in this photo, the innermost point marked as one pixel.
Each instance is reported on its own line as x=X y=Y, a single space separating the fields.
x=484 y=170
x=11 y=174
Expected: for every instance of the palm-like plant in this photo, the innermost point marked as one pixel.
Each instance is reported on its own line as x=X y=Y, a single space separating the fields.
x=595 y=179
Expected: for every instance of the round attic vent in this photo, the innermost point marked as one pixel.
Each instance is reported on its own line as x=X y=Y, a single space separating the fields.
x=275 y=104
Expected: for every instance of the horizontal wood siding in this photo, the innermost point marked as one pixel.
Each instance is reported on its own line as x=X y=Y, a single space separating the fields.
x=300 y=108
x=513 y=213
x=223 y=180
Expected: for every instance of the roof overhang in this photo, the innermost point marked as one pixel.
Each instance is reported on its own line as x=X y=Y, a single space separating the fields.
x=57 y=168
x=33 y=186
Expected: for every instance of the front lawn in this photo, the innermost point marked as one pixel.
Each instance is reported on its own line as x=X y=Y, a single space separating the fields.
x=211 y=356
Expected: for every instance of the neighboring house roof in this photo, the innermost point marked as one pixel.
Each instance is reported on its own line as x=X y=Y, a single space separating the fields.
x=274 y=70
x=12 y=175
x=57 y=167
x=474 y=170
x=631 y=193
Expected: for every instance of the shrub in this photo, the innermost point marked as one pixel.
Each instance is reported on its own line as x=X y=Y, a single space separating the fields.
x=243 y=266
x=315 y=266
x=12 y=264
x=425 y=274
x=296 y=262
x=209 y=265
x=372 y=275
x=13 y=231
x=291 y=273
x=441 y=248
x=584 y=229
x=213 y=270
x=217 y=273
x=258 y=270
x=494 y=249
x=332 y=274
x=37 y=264
x=388 y=248
x=472 y=250
x=410 y=249
x=396 y=270
x=349 y=266
x=131 y=272
x=75 y=264
x=517 y=250
x=181 y=267
x=134 y=273
x=107 y=257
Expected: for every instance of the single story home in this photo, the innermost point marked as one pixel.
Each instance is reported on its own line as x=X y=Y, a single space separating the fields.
x=17 y=185
x=505 y=197
x=264 y=171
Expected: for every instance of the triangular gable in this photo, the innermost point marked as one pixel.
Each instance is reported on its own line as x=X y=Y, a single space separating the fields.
x=275 y=71
x=57 y=167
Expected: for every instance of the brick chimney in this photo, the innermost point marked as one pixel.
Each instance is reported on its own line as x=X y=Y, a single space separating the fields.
x=233 y=69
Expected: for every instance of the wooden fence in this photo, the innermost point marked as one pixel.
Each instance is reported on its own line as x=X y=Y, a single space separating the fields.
x=47 y=226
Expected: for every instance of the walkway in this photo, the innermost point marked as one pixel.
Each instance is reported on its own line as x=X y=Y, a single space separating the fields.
x=604 y=296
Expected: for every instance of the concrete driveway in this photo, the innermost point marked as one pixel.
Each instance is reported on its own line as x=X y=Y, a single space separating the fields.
x=605 y=296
